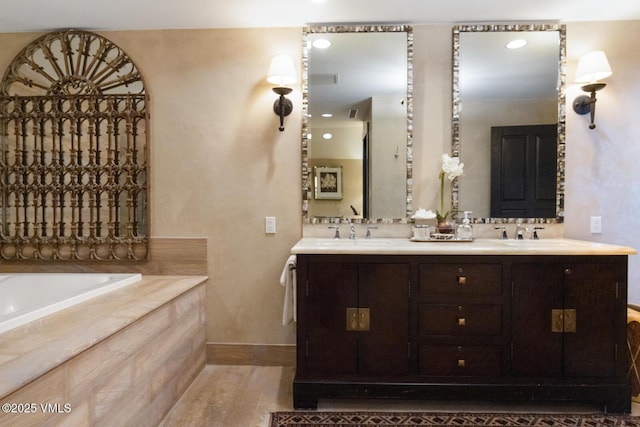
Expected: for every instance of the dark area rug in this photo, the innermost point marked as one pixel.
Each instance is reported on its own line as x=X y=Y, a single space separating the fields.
x=438 y=419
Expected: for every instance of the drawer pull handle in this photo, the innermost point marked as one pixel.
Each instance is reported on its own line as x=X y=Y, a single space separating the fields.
x=462 y=280
x=461 y=363
x=462 y=321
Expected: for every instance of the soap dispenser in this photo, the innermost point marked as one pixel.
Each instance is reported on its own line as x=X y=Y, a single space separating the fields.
x=464 y=230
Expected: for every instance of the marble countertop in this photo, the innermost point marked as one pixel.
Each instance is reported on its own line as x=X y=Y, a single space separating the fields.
x=404 y=246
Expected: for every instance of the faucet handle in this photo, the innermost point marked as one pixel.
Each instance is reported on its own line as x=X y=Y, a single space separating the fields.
x=369 y=228
x=503 y=234
x=535 y=236
x=337 y=235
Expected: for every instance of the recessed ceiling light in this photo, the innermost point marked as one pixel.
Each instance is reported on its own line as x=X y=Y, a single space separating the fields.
x=516 y=44
x=327 y=135
x=321 y=43
x=318 y=1
x=327 y=115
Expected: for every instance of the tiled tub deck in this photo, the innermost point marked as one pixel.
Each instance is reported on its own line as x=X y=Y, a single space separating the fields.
x=123 y=358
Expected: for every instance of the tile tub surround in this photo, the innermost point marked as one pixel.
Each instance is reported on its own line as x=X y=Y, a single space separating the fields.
x=119 y=359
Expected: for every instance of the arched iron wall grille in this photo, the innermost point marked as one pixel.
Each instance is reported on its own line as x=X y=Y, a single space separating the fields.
x=74 y=152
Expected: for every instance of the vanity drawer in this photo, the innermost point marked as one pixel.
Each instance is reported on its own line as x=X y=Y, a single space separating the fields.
x=459 y=319
x=461 y=279
x=462 y=361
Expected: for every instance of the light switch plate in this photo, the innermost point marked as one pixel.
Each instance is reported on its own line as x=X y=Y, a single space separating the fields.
x=270 y=224
x=596 y=225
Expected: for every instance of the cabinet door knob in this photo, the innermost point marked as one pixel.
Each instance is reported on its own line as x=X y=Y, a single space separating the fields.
x=567 y=271
x=461 y=363
x=462 y=280
x=462 y=321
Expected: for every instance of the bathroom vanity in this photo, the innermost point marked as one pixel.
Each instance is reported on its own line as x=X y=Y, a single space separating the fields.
x=482 y=320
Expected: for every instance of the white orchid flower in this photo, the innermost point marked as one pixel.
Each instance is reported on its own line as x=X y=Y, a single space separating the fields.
x=452 y=167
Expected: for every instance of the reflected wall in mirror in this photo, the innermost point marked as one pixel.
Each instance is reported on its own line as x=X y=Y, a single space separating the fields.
x=357 y=116
x=508 y=123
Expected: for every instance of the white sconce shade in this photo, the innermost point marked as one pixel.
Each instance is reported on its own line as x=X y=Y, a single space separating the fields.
x=593 y=67
x=282 y=72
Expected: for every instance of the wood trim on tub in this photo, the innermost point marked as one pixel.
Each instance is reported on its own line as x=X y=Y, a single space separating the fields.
x=251 y=354
x=167 y=256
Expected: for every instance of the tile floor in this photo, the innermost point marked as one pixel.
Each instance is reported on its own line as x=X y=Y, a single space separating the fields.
x=244 y=396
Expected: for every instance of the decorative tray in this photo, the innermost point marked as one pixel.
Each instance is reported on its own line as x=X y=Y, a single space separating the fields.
x=436 y=237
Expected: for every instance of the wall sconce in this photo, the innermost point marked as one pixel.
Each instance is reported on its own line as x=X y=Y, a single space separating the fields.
x=592 y=67
x=282 y=73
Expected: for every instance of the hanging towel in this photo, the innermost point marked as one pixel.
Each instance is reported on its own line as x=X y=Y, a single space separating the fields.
x=288 y=280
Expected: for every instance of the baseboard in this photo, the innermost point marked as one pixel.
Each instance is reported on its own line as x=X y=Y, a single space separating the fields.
x=251 y=354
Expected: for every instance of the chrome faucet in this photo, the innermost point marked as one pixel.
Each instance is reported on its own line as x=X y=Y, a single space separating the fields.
x=352 y=231
x=368 y=235
x=503 y=233
x=535 y=236
x=520 y=230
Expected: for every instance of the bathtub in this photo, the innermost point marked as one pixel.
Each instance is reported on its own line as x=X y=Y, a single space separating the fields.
x=25 y=297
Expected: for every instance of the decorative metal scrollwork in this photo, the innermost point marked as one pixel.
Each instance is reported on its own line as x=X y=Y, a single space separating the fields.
x=74 y=147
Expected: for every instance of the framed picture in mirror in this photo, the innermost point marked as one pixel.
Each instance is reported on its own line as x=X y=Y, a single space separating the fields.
x=328 y=182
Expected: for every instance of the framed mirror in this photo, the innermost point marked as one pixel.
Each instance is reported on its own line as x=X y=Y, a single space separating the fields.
x=508 y=124
x=357 y=119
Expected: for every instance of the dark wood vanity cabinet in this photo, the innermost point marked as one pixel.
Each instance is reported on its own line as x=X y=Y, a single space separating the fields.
x=473 y=327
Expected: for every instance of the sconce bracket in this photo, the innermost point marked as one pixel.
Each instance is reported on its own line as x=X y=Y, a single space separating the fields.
x=582 y=104
x=585 y=104
x=282 y=106
x=287 y=106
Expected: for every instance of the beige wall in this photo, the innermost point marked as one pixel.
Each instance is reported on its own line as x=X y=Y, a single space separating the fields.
x=603 y=164
x=219 y=164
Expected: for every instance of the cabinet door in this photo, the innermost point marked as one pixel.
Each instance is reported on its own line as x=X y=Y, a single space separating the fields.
x=537 y=290
x=332 y=287
x=590 y=290
x=384 y=289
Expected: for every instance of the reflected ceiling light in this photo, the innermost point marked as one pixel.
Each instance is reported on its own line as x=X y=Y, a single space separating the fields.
x=592 y=67
x=327 y=115
x=516 y=44
x=282 y=73
x=327 y=135
x=321 y=43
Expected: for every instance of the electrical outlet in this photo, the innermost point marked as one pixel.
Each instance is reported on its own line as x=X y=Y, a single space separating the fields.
x=596 y=225
x=270 y=225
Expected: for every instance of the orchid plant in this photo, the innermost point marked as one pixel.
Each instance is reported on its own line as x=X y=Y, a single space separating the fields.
x=451 y=168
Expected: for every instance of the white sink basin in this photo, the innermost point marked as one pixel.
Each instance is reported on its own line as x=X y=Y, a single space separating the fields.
x=542 y=242
x=357 y=242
